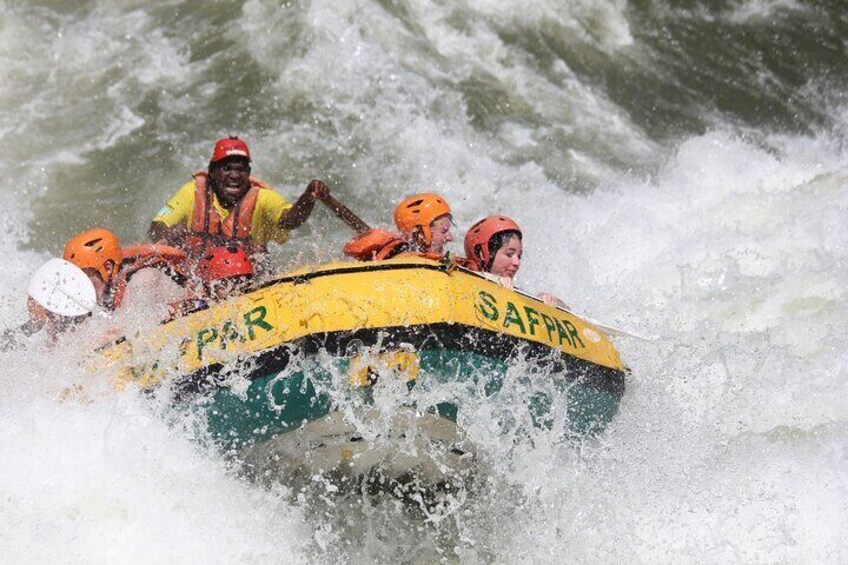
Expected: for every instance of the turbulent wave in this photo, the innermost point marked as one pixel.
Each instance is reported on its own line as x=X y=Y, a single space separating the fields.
x=679 y=170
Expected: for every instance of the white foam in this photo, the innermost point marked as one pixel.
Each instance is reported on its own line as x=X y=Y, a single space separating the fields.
x=97 y=477
x=730 y=443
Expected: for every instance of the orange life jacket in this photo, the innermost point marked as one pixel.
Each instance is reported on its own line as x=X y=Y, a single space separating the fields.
x=207 y=228
x=466 y=263
x=378 y=245
x=375 y=245
x=167 y=259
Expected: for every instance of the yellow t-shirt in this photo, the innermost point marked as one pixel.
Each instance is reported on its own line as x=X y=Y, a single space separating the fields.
x=265 y=225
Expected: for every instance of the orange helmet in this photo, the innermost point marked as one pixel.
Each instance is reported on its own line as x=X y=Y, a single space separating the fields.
x=224 y=263
x=92 y=249
x=420 y=210
x=478 y=237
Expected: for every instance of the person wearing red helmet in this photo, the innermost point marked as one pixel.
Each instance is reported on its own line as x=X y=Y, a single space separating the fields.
x=222 y=272
x=225 y=271
x=495 y=246
x=224 y=205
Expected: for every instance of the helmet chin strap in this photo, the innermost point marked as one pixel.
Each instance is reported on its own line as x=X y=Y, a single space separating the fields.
x=418 y=239
x=478 y=256
x=489 y=263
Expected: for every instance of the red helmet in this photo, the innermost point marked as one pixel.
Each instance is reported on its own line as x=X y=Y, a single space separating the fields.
x=224 y=263
x=477 y=238
x=93 y=249
x=229 y=147
x=420 y=210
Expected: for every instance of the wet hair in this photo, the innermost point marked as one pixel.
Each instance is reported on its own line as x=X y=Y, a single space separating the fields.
x=497 y=241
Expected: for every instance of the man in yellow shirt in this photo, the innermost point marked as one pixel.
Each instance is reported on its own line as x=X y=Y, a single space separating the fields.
x=225 y=206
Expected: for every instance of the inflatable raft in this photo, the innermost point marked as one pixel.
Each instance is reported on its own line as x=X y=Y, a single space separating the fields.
x=287 y=374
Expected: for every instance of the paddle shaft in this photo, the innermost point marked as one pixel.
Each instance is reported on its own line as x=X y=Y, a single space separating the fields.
x=609 y=330
x=358 y=225
x=346 y=214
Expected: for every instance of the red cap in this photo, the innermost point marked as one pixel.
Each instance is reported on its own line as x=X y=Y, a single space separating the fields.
x=229 y=147
x=224 y=263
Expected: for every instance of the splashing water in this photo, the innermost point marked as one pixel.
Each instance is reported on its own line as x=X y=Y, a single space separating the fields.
x=677 y=170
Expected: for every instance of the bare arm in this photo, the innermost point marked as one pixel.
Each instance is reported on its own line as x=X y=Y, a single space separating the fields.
x=302 y=209
x=160 y=233
x=148 y=293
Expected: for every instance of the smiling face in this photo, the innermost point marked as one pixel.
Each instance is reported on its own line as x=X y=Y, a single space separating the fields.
x=230 y=180
x=440 y=234
x=508 y=258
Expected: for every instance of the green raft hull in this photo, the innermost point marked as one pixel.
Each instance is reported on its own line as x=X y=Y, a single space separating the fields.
x=293 y=353
x=276 y=403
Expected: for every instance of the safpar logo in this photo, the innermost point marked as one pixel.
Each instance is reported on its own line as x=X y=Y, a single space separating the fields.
x=527 y=321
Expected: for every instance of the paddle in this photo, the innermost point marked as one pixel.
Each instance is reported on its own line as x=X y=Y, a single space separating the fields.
x=63 y=288
x=358 y=225
x=609 y=330
x=346 y=214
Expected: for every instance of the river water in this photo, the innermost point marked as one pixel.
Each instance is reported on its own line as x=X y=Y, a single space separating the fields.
x=679 y=170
